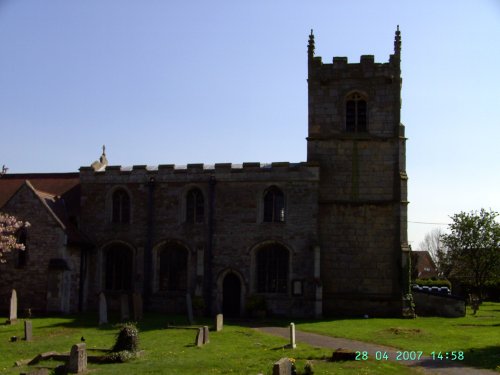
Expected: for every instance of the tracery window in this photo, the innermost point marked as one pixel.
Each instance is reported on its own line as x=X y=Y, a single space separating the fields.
x=118 y=271
x=173 y=260
x=121 y=207
x=274 y=205
x=195 y=208
x=272 y=264
x=355 y=113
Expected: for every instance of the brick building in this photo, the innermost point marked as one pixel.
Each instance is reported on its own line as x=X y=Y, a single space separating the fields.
x=322 y=237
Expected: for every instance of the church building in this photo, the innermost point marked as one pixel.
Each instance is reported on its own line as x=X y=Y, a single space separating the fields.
x=323 y=237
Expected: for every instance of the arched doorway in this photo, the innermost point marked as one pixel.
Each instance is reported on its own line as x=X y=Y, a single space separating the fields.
x=231 y=295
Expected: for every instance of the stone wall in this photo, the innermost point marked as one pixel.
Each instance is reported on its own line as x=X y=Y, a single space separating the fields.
x=39 y=286
x=429 y=304
x=238 y=227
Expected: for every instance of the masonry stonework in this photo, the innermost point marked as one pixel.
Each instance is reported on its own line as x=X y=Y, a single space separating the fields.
x=322 y=237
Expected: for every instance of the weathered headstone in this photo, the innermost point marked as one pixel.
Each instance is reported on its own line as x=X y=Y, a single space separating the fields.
x=28 y=330
x=103 y=309
x=124 y=307
x=206 y=335
x=293 y=345
x=189 y=306
x=219 y=322
x=13 y=308
x=199 y=337
x=78 y=358
x=137 y=306
x=282 y=367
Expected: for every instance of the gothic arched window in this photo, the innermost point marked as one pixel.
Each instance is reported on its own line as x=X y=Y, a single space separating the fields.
x=194 y=206
x=121 y=207
x=274 y=205
x=173 y=273
x=272 y=262
x=118 y=267
x=355 y=113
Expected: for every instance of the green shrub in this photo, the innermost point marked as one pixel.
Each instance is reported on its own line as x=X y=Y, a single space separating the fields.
x=308 y=368
x=127 y=339
x=431 y=283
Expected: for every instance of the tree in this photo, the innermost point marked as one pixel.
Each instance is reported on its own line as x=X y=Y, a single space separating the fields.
x=473 y=248
x=9 y=226
x=433 y=243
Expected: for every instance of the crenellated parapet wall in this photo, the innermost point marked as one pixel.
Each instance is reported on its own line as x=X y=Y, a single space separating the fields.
x=276 y=171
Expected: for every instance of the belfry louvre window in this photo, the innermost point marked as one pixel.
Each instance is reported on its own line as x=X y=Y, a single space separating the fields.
x=272 y=269
x=173 y=268
x=274 y=205
x=355 y=113
x=194 y=206
x=121 y=207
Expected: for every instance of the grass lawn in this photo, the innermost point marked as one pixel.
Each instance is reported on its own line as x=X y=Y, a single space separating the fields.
x=477 y=336
x=235 y=350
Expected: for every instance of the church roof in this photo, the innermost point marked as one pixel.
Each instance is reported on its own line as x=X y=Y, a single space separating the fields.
x=56 y=184
x=58 y=192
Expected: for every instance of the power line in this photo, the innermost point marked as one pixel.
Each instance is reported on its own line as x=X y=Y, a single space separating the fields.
x=424 y=222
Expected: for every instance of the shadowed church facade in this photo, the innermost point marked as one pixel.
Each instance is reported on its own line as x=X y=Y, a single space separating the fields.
x=321 y=237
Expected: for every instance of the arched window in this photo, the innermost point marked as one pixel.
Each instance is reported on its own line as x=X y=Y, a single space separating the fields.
x=274 y=205
x=118 y=271
x=272 y=264
x=22 y=255
x=173 y=260
x=194 y=206
x=355 y=113
x=121 y=207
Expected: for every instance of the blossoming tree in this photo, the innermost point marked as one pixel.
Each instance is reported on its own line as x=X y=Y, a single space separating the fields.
x=9 y=226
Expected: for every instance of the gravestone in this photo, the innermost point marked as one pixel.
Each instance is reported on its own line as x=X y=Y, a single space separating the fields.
x=199 y=337
x=28 y=330
x=13 y=308
x=189 y=306
x=219 y=322
x=137 y=306
x=78 y=359
x=293 y=345
x=282 y=367
x=206 y=336
x=124 y=307
x=103 y=309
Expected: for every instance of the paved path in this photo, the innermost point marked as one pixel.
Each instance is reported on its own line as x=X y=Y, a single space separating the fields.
x=425 y=363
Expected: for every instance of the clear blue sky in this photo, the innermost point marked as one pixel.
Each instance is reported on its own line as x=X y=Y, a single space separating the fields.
x=164 y=82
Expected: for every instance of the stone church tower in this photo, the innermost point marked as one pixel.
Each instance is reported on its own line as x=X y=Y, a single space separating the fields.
x=356 y=137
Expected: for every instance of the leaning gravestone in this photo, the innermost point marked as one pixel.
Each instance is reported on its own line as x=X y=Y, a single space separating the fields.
x=282 y=367
x=28 y=330
x=199 y=337
x=124 y=307
x=189 y=306
x=78 y=359
x=103 y=309
x=137 y=306
x=219 y=322
x=13 y=308
x=206 y=336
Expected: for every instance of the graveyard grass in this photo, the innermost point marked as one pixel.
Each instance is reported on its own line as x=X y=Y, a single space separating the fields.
x=240 y=350
x=478 y=336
